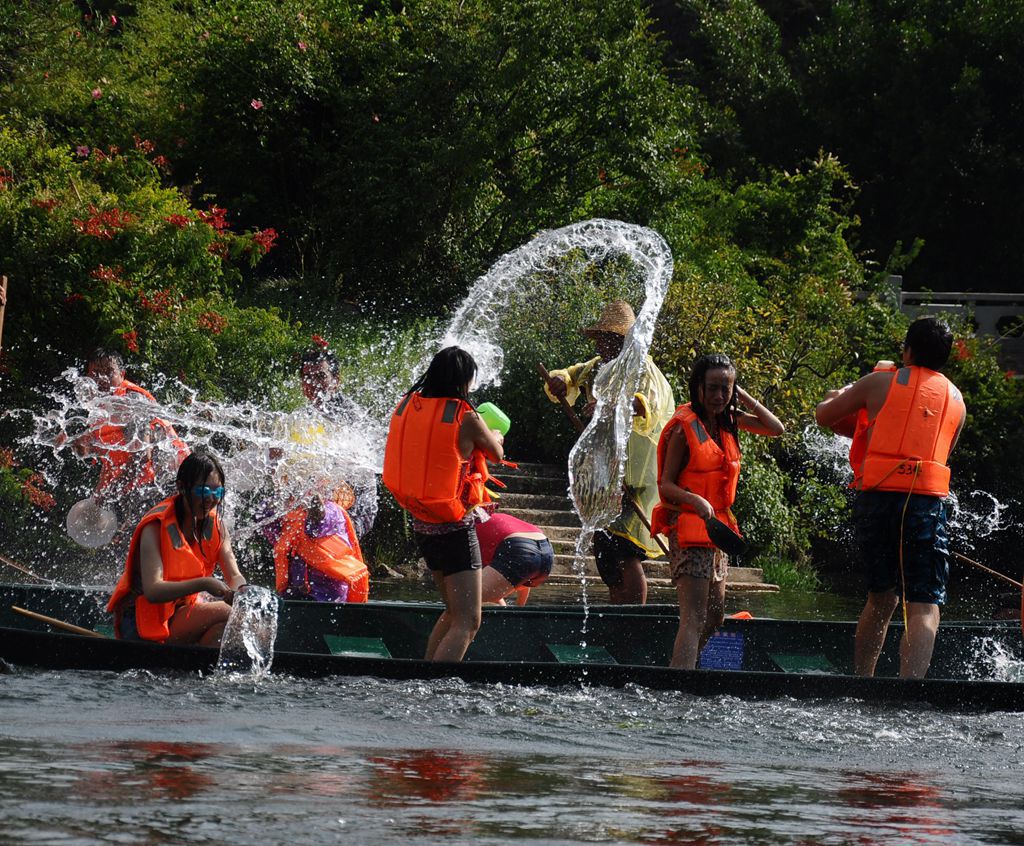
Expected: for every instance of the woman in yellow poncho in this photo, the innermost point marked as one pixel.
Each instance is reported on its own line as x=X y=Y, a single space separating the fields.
x=622 y=546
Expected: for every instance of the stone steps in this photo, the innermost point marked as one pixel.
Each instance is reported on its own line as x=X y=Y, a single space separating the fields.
x=538 y=493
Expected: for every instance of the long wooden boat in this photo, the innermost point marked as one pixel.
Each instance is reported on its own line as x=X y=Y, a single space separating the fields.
x=553 y=645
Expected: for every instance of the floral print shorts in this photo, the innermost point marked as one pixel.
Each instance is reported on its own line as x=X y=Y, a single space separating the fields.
x=700 y=562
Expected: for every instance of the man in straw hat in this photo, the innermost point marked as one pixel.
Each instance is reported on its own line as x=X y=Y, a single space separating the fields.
x=622 y=546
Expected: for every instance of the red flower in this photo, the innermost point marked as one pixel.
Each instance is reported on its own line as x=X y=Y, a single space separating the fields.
x=111 y=275
x=131 y=340
x=143 y=144
x=45 y=205
x=161 y=161
x=7 y=460
x=320 y=342
x=5 y=179
x=160 y=303
x=215 y=217
x=32 y=491
x=73 y=299
x=265 y=239
x=962 y=351
x=103 y=224
x=179 y=220
x=1010 y=374
x=212 y=322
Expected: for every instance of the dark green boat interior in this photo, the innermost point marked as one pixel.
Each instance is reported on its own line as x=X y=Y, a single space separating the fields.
x=625 y=635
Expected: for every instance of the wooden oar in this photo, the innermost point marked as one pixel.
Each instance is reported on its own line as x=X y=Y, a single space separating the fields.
x=989 y=570
x=16 y=566
x=626 y=492
x=57 y=624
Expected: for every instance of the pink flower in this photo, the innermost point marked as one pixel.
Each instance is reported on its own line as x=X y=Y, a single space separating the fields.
x=97 y=93
x=113 y=20
x=256 y=104
x=82 y=151
x=303 y=46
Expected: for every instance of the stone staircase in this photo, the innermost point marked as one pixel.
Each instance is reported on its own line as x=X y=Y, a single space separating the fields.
x=538 y=494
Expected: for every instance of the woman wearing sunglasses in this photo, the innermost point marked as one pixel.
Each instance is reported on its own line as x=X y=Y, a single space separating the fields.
x=174 y=552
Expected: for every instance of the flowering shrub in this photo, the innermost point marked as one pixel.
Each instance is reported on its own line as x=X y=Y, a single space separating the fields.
x=108 y=255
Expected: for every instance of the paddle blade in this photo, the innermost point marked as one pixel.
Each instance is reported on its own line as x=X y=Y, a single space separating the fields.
x=724 y=537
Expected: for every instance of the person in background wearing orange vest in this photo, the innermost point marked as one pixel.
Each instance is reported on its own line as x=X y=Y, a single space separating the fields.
x=125 y=474
x=914 y=418
x=435 y=465
x=317 y=555
x=698 y=468
x=516 y=555
x=173 y=555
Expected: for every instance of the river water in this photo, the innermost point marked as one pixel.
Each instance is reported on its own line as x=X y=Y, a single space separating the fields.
x=136 y=758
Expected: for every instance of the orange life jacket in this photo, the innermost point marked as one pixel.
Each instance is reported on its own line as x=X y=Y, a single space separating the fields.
x=330 y=555
x=855 y=426
x=181 y=561
x=114 y=462
x=711 y=472
x=908 y=442
x=423 y=467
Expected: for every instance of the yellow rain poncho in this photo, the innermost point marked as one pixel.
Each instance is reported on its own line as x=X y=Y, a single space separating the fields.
x=655 y=395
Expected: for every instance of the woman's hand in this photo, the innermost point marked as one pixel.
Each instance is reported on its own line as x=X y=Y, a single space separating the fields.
x=702 y=507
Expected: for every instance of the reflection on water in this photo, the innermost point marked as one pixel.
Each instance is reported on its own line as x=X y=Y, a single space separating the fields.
x=137 y=758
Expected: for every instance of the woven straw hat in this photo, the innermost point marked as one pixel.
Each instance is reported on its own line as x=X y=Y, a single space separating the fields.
x=616 y=317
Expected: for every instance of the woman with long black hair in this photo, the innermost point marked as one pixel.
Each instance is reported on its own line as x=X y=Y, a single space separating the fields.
x=174 y=552
x=435 y=464
x=698 y=468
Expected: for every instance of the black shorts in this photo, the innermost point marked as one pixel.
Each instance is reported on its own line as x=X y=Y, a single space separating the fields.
x=610 y=551
x=452 y=552
x=524 y=562
x=880 y=527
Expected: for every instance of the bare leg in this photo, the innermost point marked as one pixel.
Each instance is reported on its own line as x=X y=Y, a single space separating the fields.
x=693 y=613
x=462 y=596
x=443 y=622
x=633 y=588
x=871 y=629
x=201 y=622
x=493 y=586
x=716 y=613
x=918 y=640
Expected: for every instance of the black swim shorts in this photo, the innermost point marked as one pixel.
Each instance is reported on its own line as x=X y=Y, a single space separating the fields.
x=880 y=524
x=452 y=552
x=610 y=551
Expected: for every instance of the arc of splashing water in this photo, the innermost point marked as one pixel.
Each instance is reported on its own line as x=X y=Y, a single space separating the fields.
x=597 y=461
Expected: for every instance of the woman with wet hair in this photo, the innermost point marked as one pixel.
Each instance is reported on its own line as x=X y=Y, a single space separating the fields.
x=698 y=468
x=435 y=464
x=174 y=552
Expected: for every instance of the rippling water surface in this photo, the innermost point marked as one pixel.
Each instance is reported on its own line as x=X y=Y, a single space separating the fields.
x=137 y=758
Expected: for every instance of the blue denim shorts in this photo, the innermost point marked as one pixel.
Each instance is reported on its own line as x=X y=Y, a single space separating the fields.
x=524 y=562
x=880 y=526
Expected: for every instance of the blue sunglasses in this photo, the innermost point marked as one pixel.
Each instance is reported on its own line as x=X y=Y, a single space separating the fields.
x=203 y=492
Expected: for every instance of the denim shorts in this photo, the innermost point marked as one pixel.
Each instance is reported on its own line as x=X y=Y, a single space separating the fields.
x=524 y=562
x=880 y=526
x=452 y=552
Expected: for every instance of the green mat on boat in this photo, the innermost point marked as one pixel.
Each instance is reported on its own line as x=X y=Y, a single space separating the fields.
x=359 y=647
x=104 y=629
x=803 y=663
x=570 y=653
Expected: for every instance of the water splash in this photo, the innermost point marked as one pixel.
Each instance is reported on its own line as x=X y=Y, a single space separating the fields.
x=994 y=661
x=972 y=515
x=597 y=461
x=273 y=460
x=247 y=645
